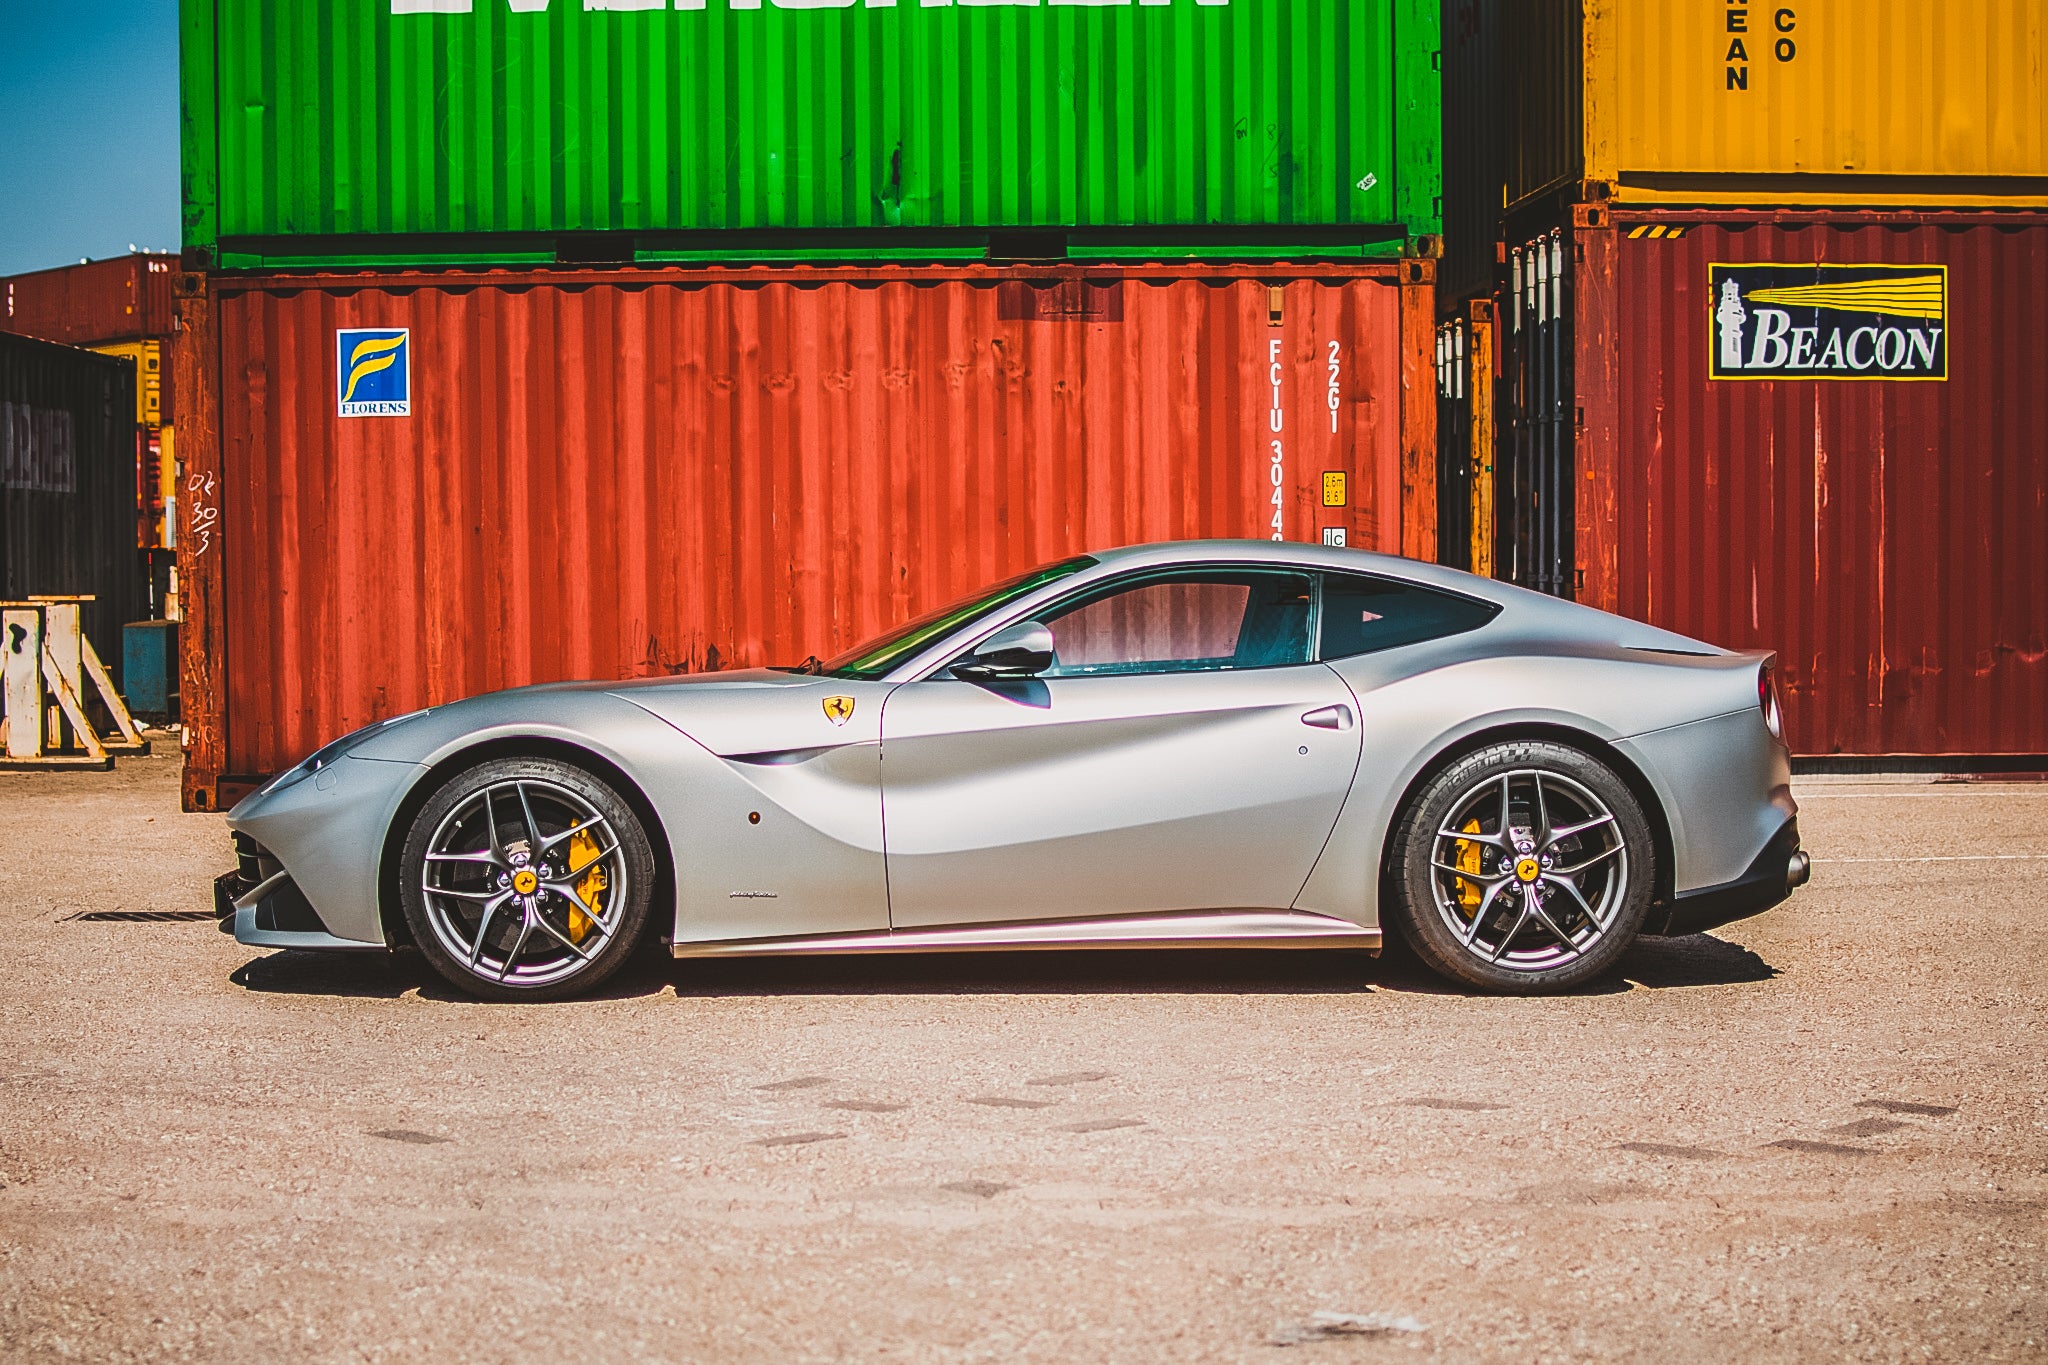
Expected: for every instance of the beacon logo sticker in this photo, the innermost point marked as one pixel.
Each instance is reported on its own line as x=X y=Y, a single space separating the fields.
x=1829 y=322
x=373 y=371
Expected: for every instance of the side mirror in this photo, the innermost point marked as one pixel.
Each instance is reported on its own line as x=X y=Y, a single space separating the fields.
x=1020 y=651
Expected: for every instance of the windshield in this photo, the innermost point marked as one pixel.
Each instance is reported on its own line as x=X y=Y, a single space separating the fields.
x=878 y=656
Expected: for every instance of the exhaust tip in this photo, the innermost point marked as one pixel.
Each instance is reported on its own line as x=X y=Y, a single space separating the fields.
x=1798 y=870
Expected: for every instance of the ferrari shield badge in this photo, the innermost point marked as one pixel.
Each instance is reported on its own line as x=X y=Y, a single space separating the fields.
x=838 y=710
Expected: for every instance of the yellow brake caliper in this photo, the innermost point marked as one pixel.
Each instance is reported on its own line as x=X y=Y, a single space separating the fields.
x=1468 y=863
x=583 y=852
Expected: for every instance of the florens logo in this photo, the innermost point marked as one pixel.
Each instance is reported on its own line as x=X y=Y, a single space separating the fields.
x=541 y=6
x=373 y=371
x=1829 y=321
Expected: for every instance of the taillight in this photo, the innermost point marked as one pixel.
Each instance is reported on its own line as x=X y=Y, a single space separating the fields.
x=1767 y=701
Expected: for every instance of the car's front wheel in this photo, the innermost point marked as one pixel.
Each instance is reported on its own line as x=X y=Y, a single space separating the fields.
x=526 y=879
x=1525 y=868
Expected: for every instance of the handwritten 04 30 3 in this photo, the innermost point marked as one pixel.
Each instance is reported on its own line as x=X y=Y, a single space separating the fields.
x=204 y=516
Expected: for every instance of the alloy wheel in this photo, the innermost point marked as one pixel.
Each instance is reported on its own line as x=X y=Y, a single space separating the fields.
x=524 y=882
x=1530 y=871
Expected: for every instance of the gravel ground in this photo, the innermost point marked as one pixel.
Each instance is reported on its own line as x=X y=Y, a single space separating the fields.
x=1816 y=1134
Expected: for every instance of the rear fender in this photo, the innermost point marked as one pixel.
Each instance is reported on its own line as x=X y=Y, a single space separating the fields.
x=1413 y=719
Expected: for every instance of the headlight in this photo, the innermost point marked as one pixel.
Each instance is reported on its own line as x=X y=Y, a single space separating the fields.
x=327 y=753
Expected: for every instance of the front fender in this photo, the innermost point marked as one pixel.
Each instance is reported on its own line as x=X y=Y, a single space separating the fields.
x=329 y=830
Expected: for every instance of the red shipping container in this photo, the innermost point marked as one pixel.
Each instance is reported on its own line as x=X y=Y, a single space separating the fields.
x=123 y=298
x=1888 y=538
x=619 y=474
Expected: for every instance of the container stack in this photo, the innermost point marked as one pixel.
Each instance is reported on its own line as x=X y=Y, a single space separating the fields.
x=121 y=307
x=1474 y=59
x=539 y=342
x=67 y=492
x=1771 y=289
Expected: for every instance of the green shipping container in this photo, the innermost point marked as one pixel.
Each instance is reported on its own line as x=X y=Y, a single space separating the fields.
x=437 y=131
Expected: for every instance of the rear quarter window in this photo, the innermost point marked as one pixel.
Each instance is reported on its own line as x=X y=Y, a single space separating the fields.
x=1364 y=615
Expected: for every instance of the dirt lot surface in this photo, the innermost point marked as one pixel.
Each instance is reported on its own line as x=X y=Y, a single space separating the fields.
x=1814 y=1135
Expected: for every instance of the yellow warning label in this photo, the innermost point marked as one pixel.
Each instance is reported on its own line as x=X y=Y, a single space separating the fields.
x=1333 y=488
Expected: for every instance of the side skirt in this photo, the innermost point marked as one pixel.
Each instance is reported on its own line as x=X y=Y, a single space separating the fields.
x=1205 y=929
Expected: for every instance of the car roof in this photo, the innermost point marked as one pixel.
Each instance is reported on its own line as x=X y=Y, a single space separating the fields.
x=1298 y=554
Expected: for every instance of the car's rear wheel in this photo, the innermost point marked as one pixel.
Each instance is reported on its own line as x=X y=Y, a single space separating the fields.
x=526 y=879
x=1525 y=868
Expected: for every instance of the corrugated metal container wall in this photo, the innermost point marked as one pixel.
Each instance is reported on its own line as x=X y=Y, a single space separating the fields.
x=1897 y=102
x=616 y=475
x=348 y=121
x=1889 y=539
x=123 y=298
x=1475 y=141
x=67 y=483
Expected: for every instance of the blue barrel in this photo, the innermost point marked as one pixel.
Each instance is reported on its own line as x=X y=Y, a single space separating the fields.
x=149 y=669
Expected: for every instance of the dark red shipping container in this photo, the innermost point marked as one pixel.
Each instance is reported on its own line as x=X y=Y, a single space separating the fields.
x=123 y=298
x=1889 y=539
x=618 y=474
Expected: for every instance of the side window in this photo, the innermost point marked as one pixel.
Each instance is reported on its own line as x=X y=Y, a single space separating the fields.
x=1362 y=615
x=1184 y=623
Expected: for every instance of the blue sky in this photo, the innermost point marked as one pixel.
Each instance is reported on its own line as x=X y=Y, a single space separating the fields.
x=89 y=113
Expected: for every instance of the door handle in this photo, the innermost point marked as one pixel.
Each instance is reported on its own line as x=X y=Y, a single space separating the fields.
x=1329 y=718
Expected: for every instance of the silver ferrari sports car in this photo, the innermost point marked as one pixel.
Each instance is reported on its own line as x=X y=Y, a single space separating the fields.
x=1228 y=743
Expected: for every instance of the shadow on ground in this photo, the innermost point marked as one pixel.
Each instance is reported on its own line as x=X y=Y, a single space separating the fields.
x=1658 y=964
x=1691 y=960
x=387 y=976
x=1186 y=971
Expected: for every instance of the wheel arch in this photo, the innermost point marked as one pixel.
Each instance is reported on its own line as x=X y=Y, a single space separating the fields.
x=1631 y=775
x=389 y=908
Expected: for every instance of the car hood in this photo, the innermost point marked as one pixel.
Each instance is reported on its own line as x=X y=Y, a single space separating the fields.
x=704 y=706
x=762 y=710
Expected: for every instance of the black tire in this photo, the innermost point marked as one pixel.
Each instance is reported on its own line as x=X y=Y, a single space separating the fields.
x=551 y=961
x=1536 y=913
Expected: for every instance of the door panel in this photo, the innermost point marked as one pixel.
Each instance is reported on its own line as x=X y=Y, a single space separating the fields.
x=1103 y=795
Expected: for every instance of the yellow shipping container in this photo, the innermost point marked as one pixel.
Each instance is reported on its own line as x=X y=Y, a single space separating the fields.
x=1806 y=102
x=149 y=377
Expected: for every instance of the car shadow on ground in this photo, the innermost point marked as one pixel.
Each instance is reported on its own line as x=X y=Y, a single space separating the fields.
x=652 y=972
x=387 y=976
x=371 y=975
x=1124 y=971
x=1691 y=960
x=1651 y=963
x=1656 y=964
